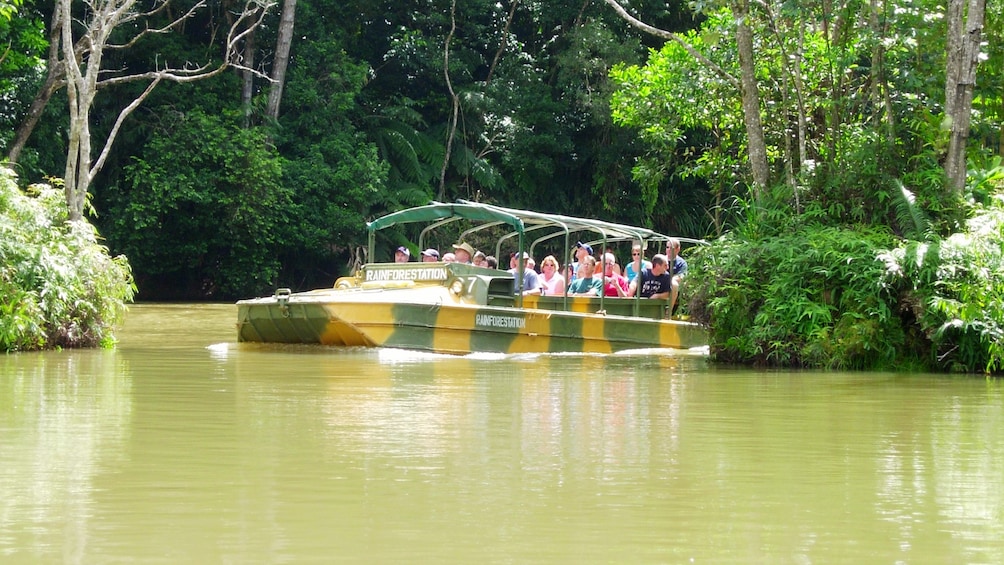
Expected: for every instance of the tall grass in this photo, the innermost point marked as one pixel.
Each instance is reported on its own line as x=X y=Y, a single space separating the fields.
x=58 y=285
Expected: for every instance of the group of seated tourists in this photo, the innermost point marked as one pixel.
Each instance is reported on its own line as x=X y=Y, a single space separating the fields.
x=585 y=275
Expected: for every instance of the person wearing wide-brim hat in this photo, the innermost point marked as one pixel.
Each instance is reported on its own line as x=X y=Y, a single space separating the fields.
x=464 y=252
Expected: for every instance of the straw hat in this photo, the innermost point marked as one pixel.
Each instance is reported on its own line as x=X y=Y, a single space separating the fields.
x=465 y=247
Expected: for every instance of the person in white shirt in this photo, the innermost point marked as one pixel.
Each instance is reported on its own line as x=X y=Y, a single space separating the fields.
x=551 y=281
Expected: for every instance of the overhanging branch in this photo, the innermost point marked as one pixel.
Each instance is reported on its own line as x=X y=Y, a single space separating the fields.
x=679 y=41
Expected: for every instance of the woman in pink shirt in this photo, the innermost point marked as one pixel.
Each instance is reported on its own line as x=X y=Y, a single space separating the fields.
x=614 y=283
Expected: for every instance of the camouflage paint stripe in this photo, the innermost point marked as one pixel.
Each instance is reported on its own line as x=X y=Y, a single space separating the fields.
x=297 y=323
x=566 y=333
x=453 y=328
x=629 y=334
x=413 y=326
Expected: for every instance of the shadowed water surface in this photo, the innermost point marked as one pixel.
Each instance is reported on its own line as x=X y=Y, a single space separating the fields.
x=182 y=446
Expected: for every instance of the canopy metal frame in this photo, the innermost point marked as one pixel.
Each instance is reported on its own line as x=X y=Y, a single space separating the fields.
x=521 y=222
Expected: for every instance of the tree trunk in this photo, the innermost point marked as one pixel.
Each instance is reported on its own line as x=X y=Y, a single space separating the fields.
x=831 y=37
x=747 y=84
x=803 y=119
x=247 y=78
x=80 y=95
x=953 y=52
x=53 y=82
x=880 y=99
x=751 y=100
x=965 y=81
x=441 y=194
x=793 y=95
x=282 y=48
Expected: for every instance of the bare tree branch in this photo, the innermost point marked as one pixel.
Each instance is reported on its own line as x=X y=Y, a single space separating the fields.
x=453 y=98
x=118 y=123
x=162 y=30
x=679 y=40
x=54 y=80
x=84 y=77
x=503 y=43
x=183 y=75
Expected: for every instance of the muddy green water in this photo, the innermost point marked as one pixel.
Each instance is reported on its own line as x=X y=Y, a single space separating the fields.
x=181 y=446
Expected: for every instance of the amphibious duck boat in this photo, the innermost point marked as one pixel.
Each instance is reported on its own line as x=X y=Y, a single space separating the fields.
x=460 y=308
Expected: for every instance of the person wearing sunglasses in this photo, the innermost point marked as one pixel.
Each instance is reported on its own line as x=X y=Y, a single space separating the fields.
x=637 y=263
x=551 y=281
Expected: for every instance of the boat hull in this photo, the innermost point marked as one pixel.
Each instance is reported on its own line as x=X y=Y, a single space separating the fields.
x=458 y=307
x=432 y=320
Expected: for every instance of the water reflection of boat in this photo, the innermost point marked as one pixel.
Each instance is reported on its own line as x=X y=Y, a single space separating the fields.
x=458 y=308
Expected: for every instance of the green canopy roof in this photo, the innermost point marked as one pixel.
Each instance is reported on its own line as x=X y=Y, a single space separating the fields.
x=518 y=220
x=436 y=211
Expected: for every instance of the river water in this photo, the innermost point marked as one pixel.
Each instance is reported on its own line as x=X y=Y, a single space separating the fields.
x=182 y=446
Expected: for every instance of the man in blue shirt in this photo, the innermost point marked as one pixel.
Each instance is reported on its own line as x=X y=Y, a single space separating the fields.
x=655 y=282
x=530 y=283
x=678 y=269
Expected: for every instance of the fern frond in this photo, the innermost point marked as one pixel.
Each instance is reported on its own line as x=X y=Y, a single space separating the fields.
x=910 y=217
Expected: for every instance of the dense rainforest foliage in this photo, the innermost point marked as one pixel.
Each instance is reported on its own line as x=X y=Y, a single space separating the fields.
x=59 y=285
x=211 y=196
x=815 y=144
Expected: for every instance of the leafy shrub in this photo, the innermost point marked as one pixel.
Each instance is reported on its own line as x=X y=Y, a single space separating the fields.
x=781 y=291
x=954 y=289
x=805 y=297
x=200 y=213
x=58 y=285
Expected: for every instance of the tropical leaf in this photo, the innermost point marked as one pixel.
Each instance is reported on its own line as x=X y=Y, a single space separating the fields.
x=911 y=219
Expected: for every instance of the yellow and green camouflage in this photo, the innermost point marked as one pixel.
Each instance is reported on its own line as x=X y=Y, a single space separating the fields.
x=457 y=308
x=391 y=306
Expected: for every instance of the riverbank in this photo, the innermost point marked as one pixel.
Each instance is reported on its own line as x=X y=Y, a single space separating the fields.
x=804 y=294
x=59 y=286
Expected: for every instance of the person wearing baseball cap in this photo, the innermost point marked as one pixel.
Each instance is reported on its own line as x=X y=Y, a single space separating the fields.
x=402 y=255
x=582 y=250
x=430 y=256
x=531 y=283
